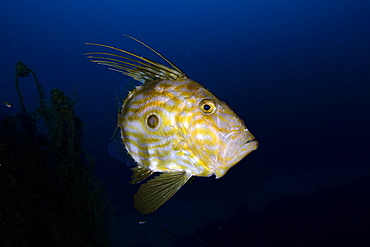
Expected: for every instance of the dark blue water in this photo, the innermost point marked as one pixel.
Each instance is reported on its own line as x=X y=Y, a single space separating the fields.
x=297 y=72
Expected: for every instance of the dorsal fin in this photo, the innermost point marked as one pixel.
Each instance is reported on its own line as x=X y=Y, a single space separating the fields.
x=160 y=55
x=137 y=67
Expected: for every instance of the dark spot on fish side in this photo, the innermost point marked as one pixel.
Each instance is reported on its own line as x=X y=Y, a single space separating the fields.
x=152 y=121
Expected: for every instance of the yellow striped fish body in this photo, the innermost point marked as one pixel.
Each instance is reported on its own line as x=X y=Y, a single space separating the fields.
x=175 y=126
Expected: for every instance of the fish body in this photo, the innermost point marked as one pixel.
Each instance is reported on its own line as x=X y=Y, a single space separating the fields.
x=165 y=128
x=172 y=125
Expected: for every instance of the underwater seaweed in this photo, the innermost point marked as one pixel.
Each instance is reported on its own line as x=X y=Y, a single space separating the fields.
x=50 y=195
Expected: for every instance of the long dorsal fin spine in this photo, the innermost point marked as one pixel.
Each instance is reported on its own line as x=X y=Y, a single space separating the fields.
x=160 y=55
x=123 y=66
x=152 y=63
x=142 y=69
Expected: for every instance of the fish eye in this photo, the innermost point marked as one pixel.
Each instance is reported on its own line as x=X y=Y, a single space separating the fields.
x=152 y=121
x=207 y=106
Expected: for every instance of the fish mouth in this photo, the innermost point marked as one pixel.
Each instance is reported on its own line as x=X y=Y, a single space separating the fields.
x=236 y=147
x=251 y=145
x=248 y=146
x=249 y=141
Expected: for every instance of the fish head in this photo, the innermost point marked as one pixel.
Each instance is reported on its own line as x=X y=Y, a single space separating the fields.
x=214 y=133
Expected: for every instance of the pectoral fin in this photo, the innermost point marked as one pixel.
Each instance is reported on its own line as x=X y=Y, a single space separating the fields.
x=157 y=191
x=117 y=149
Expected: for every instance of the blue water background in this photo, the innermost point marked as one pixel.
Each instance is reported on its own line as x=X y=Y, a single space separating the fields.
x=297 y=72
